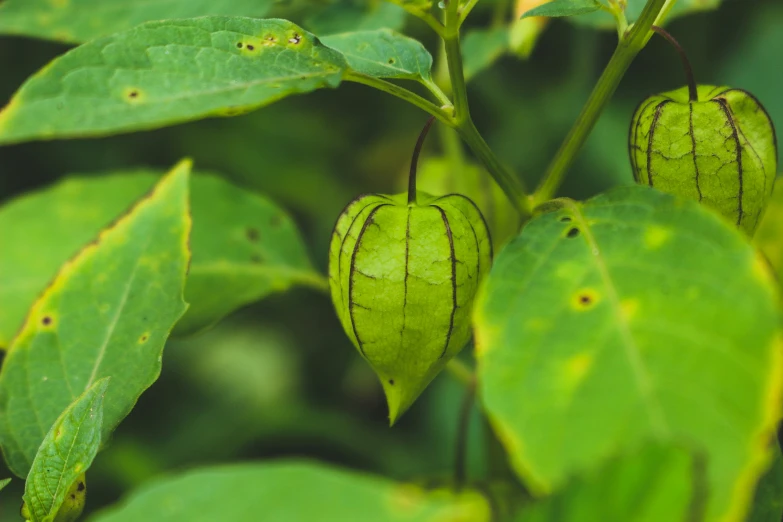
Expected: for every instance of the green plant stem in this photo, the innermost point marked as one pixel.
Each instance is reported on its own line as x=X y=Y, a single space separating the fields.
x=460 y=371
x=441 y=113
x=462 y=121
x=627 y=49
x=463 y=428
x=510 y=184
x=466 y=10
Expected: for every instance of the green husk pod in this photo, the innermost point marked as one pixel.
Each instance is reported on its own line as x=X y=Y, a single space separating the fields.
x=403 y=272
x=719 y=149
x=403 y=278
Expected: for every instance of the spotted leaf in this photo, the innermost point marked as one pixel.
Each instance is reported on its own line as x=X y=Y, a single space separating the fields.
x=630 y=317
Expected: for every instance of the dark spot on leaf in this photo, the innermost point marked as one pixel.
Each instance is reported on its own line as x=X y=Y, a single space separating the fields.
x=295 y=39
x=239 y=45
x=565 y=219
x=255 y=258
x=391 y=61
x=73 y=496
x=251 y=47
x=252 y=234
x=276 y=220
x=80 y=486
x=46 y=320
x=391 y=381
x=585 y=299
x=144 y=338
x=133 y=94
x=573 y=232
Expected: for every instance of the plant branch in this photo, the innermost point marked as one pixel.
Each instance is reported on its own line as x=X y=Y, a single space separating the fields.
x=466 y=9
x=425 y=16
x=454 y=60
x=441 y=113
x=510 y=184
x=686 y=63
x=629 y=46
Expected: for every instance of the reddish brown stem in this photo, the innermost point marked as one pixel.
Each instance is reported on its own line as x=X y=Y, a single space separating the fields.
x=415 y=160
x=693 y=92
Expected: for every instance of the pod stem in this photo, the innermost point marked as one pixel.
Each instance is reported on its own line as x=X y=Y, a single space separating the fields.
x=694 y=94
x=415 y=161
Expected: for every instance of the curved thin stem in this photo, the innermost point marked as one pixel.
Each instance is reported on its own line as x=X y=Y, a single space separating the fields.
x=415 y=161
x=630 y=45
x=441 y=113
x=686 y=64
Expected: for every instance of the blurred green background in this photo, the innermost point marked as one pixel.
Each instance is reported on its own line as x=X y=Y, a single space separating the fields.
x=280 y=378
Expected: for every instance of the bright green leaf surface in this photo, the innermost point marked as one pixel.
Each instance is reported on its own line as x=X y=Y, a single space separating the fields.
x=383 y=54
x=107 y=313
x=347 y=15
x=768 y=502
x=604 y=20
x=167 y=72
x=769 y=234
x=564 y=8
x=482 y=47
x=290 y=492
x=634 y=315
x=65 y=453
x=244 y=246
x=657 y=484
x=77 y=21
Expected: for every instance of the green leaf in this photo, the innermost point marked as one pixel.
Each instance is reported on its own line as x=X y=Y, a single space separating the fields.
x=167 y=72
x=482 y=47
x=65 y=453
x=347 y=15
x=633 y=316
x=768 y=501
x=564 y=8
x=291 y=491
x=634 y=9
x=383 y=54
x=107 y=313
x=769 y=234
x=76 y=21
x=244 y=246
x=655 y=484
x=4 y=483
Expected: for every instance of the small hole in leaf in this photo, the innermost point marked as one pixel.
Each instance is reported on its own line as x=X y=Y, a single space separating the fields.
x=573 y=232
x=391 y=61
x=295 y=39
x=81 y=486
x=565 y=219
x=251 y=47
x=239 y=45
x=391 y=381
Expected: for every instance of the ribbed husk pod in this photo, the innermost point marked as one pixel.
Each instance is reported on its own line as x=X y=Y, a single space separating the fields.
x=403 y=277
x=720 y=150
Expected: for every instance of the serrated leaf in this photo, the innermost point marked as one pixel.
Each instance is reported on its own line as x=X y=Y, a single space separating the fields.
x=346 y=16
x=632 y=316
x=244 y=246
x=107 y=313
x=654 y=484
x=66 y=453
x=634 y=9
x=76 y=21
x=564 y=8
x=291 y=492
x=383 y=54
x=482 y=47
x=167 y=72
